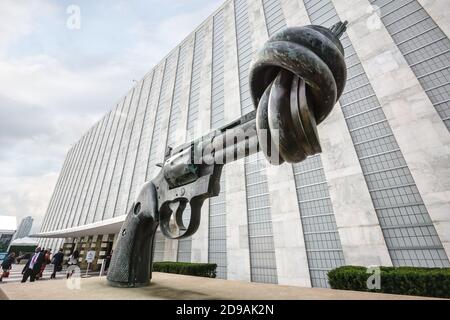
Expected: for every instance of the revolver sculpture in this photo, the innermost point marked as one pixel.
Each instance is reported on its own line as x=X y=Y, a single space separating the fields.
x=295 y=81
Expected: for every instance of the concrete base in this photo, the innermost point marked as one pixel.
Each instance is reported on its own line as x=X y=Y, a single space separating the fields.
x=178 y=287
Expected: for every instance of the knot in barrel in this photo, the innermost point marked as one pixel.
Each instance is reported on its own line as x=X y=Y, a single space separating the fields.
x=295 y=81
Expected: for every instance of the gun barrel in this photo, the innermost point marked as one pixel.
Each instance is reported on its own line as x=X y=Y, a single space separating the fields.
x=224 y=145
x=233 y=144
x=230 y=143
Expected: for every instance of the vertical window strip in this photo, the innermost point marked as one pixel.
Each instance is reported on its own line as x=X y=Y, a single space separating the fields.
x=159 y=246
x=140 y=165
x=94 y=184
x=217 y=210
x=217 y=81
x=176 y=99
x=57 y=189
x=194 y=91
x=274 y=16
x=185 y=245
x=126 y=155
x=217 y=243
x=78 y=210
x=156 y=154
x=424 y=46
x=73 y=195
x=322 y=242
x=50 y=224
x=245 y=52
x=101 y=201
x=46 y=225
x=263 y=266
x=409 y=233
x=113 y=184
x=100 y=189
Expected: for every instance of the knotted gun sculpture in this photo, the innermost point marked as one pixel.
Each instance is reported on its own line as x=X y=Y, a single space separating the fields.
x=295 y=81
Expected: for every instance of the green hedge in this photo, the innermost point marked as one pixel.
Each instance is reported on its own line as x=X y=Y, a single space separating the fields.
x=193 y=269
x=428 y=282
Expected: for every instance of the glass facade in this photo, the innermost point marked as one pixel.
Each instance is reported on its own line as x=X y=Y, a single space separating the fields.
x=425 y=47
x=217 y=243
x=407 y=228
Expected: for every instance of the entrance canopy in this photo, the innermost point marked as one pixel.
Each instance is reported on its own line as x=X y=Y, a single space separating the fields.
x=100 y=227
x=27 y=241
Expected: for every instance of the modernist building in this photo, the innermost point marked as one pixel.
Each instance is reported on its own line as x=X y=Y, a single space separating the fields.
x=379 y=194
x=24 y=228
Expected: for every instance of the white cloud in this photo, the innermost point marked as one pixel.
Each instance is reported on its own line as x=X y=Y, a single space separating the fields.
x=29 y=197
x=19 y=18
x=46 y=81
x=46 y=103
x=158 y=39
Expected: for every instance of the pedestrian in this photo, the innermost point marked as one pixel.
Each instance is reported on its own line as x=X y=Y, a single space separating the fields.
x=44 y=263
x=72 y=262
x=57 y=261
x=33 y=265
x=7 y=265
x=108 y=260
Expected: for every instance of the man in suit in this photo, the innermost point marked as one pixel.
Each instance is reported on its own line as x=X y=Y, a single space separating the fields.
x=33 y=266
x=57 y=263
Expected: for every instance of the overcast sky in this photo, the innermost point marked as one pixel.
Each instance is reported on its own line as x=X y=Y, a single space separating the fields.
x=56 y=81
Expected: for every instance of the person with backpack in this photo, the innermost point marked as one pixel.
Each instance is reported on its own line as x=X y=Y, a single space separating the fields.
x=44 y=264
x=57 y=261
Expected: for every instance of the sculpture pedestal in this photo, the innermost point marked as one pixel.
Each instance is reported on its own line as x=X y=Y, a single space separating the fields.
x=172 y=286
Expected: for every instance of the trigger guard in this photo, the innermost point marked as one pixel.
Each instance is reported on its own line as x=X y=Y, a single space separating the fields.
x=194 y=221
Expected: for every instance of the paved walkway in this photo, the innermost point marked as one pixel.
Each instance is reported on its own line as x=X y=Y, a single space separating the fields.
x=15 y=274
x=171 y=286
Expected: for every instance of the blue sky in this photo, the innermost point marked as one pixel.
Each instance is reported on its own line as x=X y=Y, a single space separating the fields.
x=55 y=82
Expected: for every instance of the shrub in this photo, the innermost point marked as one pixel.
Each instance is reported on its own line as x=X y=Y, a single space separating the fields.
x=193 y=269
x=428 y=282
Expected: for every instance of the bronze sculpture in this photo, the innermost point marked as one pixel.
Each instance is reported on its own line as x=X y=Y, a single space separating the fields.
x=295 y=81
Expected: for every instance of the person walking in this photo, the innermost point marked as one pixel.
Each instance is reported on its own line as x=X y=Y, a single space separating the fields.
x=44 y=263
x=108 y=260
x=57 y=261
x=73 y=262
x=7 y=265
x=33 y=265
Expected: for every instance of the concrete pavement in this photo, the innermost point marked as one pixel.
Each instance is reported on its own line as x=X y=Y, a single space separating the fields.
x=15 y=274
x=172 y=286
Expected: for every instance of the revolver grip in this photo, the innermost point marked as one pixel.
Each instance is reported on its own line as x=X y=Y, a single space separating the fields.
x=132 y=259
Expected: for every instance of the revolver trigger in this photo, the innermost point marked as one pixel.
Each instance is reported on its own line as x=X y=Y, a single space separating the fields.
x=171 y=218
x=177 y=215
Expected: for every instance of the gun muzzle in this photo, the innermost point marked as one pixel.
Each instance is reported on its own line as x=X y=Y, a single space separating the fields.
x=295 y=81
